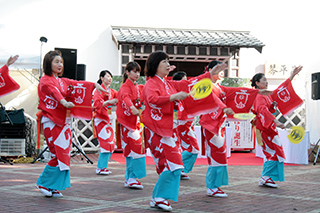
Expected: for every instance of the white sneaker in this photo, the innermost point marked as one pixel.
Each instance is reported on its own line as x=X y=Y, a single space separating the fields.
x=162 y=204
x=267 y=181
x=216 y=192
x=133 y=184
x=56 y=193
x=47 y=192
x=184 y=176
x=103 y=171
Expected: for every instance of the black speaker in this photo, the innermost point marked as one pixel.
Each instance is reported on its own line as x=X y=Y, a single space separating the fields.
x=70 y=62
x=18 y=127
x=315 y=86
x=81 y=72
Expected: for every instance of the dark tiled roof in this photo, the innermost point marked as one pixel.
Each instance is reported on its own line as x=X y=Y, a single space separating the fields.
x=187 y=37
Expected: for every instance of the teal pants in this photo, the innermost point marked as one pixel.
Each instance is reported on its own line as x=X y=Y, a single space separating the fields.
x=217 y=176
x=188 y=160
x=103 y=161
x=53 y=178
x=273 y=169
x=167 y=186
x=136 y=168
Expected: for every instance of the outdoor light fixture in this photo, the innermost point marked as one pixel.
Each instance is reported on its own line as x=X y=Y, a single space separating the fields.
x=42 y=39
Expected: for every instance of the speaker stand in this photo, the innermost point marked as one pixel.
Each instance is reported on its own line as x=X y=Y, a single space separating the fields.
x=76 y=145
x=316 y=154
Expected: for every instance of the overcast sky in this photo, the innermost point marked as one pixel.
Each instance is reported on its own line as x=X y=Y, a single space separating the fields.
x=288 y=28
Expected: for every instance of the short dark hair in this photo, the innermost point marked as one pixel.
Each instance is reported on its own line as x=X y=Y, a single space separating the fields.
x=130 y=66
x=179 y=75
x=102 y=74
x=256 y=78
x=213 y=64
x=153 y=61
x=47 y=61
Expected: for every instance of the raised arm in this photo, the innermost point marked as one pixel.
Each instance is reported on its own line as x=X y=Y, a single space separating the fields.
x=214 y=72
x=11 y=60
x=295 y=71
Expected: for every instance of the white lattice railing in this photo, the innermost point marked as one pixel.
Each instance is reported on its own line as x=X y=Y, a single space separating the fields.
x=84 y=133
x=296 y=118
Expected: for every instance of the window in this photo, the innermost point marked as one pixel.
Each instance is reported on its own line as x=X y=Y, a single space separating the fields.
x=202 y=51
x=125 y=48
x=181 y=50
x=192 y=50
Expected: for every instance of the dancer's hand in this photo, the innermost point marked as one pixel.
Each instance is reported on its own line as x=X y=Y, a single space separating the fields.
x=11 y=60
x=295 y=71
x=228 y=111
x=134 y=110
x=99 y=88
x=179 y=96
x=66 y=104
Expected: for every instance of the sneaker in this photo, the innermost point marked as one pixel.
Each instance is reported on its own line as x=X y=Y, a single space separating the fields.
x=103 y=171
x=47 y=192
x=163 y=204
x=184 y=176
x=133 y=185
x=56 y=193
x=216 y=192
x=267 y=181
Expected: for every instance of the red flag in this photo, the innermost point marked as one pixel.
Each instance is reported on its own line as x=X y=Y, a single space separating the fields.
x=239 y=99
x=194 y=107
x=286 y=98
x=81 y=96
x=7 y=84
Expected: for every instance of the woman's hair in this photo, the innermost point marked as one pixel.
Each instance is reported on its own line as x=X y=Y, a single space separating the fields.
x=256 y=78
x=179 y=75
x=130 y=66
x=212 y=64
x=47 y=61
x=153 y=61
x=102 y=74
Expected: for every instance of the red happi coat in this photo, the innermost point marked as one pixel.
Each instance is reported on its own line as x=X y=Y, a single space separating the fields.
x=286 y=98
x=99 y=98
x=272 y=147
x=57 y=131
x=52 y=90
x=263 y=108
x=158 y=113
x=7 y=84
x=129 y=94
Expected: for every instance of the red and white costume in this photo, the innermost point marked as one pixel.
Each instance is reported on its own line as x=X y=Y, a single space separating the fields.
x=240 y=100
x=102 y=124
x=158 y=117
x=272 y=147
x=130 y=95
x=187 y=136
x=56 y=124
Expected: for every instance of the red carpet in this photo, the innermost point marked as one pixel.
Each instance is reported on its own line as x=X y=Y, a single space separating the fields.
x=236 y=159
x=244 y=159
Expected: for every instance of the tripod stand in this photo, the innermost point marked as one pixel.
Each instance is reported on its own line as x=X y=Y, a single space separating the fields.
x=316 y=154
x=6 y=117
x=77 y=145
